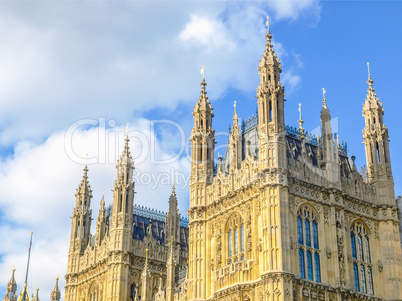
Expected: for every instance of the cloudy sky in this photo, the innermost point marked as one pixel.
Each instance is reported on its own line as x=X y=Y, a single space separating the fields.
x=73 y=73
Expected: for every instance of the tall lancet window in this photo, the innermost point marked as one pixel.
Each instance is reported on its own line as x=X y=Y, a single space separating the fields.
x=230 y=243
x=307 y=238
x=235 y=240
x=362 y=267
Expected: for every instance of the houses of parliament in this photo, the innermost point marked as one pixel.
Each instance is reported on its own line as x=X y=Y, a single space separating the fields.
x=285 y=215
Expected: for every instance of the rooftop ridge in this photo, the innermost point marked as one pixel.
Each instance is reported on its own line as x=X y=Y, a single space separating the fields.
x=151 y=213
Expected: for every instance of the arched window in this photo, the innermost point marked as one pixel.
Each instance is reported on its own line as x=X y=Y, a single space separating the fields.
x=235 y=240
x=307 y=238
x=362 y=268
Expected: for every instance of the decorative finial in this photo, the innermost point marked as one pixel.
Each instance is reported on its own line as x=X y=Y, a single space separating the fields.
x=324 y=100
x=37 y=288
x=300 y=118
x=301 y=129
x=267 y=23
x=234 y=105
x=57 y=277
x=127 y=129
x=203 y=71
x=103 y=194
x=368 y=67
x=146 y=254
x=13 y=269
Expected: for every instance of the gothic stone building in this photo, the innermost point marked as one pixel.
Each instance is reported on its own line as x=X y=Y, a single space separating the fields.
x=284 y=216
x=287 y=216
x=110 y=265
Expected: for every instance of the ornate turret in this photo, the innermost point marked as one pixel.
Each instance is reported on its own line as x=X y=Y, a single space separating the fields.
x=100 y=223
x=375 y=135
x=270 y=94
x=235 y=147
x=11 y=289
x=172 y=221
x=123 y=201
x=80 y=221
x=55 y=294
x=202 y=146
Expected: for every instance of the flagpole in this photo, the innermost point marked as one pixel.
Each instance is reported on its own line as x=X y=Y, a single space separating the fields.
x=26 y=275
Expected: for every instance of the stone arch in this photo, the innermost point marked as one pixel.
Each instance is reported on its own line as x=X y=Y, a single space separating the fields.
x=307 y=206
x=358 y=222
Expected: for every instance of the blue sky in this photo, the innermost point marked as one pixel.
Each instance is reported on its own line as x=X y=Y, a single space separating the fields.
x=140 y=61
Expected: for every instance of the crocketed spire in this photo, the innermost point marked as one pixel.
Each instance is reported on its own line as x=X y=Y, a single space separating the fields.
x=371 y=99
x=11 y=289
x=37 y=295
x=55 y=294
x=269 y=56
x=84 y=188
x=125 y=163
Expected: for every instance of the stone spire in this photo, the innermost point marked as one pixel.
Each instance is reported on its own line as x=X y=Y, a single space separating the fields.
x=101 y=223
x=235 y=143
x=55 y=294
x=170 y=279
x=146 y=289
x=326 y=131
x=172 y=220
x=125 y=163
x=37 y=295
x=11 y=289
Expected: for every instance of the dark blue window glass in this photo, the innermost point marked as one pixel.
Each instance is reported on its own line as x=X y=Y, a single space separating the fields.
x=309 y=266
x=353 y=242
x=367 y=249
x=317 y=267
x=315 y=234
x=301 y=264
x=370 y=281
x=356 y=277
x=308 y=235
x=363 y=275
x=299 y=230
x=360 y=247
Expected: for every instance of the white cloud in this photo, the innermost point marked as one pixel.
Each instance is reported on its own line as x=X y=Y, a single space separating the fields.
x=207 y=32
x=291 y=9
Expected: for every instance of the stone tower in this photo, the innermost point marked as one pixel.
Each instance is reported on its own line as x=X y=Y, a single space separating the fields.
x=375 y=135
x=202 y=171
x=121 y=228
x=11 y=289
x=270 y=95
